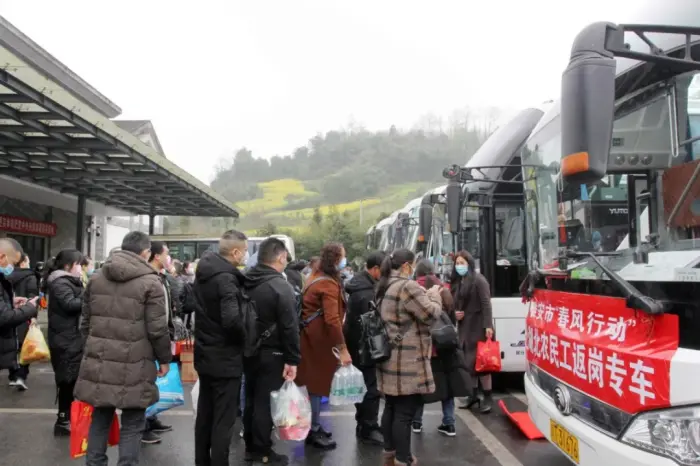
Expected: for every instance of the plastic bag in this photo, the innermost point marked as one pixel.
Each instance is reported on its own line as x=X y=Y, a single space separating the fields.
x=80 y=420
x=34 y=348
x=170 y=390
x=488 y=356
x=195 y=397
x=291 y=412
x=348 y=386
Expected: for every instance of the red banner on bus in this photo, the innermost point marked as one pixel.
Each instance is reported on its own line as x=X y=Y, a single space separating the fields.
x=603 y=348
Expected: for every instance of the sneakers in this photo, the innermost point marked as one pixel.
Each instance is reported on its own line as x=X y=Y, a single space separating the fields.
x=416 y=427
x=150 y=438
x=62 y=426
x=158 y=427
x=20 y=384
x=450 y=431
x=271 y=457
x=320 y=440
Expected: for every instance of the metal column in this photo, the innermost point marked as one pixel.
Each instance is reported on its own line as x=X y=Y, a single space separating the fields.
x=151 y=221
x=80 y=229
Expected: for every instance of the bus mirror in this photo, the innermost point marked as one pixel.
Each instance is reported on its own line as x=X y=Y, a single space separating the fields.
x=588 y=105
x=453 y=193
x=425 y=220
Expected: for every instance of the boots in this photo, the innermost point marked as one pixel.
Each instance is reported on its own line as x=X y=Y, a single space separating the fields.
x=414 y=462
x=472 y=400
x=62 y=426
x=485 y=407
x=388 y=457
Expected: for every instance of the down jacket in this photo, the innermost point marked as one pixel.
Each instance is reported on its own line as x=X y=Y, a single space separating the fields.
x=10 y=320
x=65 y=344
x=125 y=324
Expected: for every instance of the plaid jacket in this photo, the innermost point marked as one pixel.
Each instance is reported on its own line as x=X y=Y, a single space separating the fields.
x=407 y=308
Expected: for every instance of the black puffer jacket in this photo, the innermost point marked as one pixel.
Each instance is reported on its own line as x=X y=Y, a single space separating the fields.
x=276 y=305
x=65 y=341
x=361 y=291
x=10 y=319
x=25 y=284
x=219 y=336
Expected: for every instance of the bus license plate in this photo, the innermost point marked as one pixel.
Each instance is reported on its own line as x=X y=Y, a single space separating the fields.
x=564 y=440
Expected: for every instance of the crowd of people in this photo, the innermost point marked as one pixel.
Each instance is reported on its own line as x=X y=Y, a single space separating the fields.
x=257 y=323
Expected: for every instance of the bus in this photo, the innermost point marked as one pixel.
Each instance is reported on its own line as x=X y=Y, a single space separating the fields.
x=613 y=346
x=484 y=212
x=188 y=248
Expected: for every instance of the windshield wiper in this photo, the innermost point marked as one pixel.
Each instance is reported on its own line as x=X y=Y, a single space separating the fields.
x=635 y=298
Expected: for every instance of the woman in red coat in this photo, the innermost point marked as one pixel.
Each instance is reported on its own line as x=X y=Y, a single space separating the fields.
x=323 y=311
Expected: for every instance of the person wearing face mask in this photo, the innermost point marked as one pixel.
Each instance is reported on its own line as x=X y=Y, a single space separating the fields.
x=219 y=336
x=360 y=290
x=279 y=354
x=64 y=288
x=472 y=297
x=88 y=268
x=323 y=311
x=15 y=310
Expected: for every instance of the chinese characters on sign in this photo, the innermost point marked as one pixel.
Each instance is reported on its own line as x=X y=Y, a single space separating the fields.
x=26 y=226
x=598 y=345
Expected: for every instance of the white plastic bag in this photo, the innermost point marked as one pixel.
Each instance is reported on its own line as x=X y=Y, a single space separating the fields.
x=291 y=412
x=348 y=386
x=195 y=397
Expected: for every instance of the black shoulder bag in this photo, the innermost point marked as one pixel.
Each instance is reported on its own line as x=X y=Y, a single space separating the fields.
x=378 y=345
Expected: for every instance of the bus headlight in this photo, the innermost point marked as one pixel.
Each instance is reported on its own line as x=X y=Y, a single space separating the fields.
x=674 y=433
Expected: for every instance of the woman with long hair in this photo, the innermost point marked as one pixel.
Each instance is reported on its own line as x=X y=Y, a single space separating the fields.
x=450 y=372
x=408 y=312
x=64 y=287
x=323 y=311
x=472 y=297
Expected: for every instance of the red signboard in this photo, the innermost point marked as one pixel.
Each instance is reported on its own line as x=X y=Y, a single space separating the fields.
x=603 y=348
x=26 y=226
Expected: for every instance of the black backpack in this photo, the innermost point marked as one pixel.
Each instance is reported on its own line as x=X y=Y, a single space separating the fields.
x=375 y=345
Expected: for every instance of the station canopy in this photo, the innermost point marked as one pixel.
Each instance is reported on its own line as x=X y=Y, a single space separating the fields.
x=51 y=138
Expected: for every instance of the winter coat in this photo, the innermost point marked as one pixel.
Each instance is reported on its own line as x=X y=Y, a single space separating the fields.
x=65 y=343
x=10 y=320
x=25 y=284
x=318 y=363
x=406 y=309
x=450 y=372
x=295 y=278
x=472 y=295
x=276 y=305
x=360 y=292
x=124 y=324
x=219 y=335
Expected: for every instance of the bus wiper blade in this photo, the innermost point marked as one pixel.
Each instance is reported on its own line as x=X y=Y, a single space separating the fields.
x=635 y=298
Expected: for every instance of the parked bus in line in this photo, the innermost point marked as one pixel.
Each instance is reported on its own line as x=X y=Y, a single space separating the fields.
x=188 y=248
x=613 y=345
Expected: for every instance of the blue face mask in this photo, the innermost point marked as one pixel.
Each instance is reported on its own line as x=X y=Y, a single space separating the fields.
x=343 y=263
x=461 y=270
x=6 y=271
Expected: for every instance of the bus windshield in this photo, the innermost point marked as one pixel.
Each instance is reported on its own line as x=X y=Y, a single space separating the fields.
x=594 y=217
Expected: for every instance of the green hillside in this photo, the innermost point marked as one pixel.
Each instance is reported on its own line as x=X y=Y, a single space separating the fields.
x=351 y=177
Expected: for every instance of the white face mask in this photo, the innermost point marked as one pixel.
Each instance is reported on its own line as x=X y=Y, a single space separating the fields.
x=246 y=257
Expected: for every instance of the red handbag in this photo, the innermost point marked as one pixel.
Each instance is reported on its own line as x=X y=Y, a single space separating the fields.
x=488 y=356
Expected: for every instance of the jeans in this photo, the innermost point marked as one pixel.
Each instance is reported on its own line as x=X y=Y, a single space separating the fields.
x=367 y=412
x=133 y=423
x=315 y=412
x=448 y=413
x=399 y=412
x=217 y=407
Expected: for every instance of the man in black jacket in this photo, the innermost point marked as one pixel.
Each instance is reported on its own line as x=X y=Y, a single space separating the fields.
x=218 y=348
x=361 y=291
x=279 y=353
x=25 y=284
x=14 y=311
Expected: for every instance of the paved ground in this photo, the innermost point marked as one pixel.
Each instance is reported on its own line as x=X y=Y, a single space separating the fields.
x=26 y=422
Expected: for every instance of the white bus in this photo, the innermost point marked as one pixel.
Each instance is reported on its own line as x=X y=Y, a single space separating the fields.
x=187 y=248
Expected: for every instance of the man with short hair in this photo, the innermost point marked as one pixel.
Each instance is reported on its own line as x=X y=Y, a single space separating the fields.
x=361 y=291
x=218 y=348
x=279 y=352
x=14 y=311
x=124 y=323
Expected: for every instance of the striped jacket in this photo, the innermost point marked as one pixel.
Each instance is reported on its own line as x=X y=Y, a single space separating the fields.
x=406 y=307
